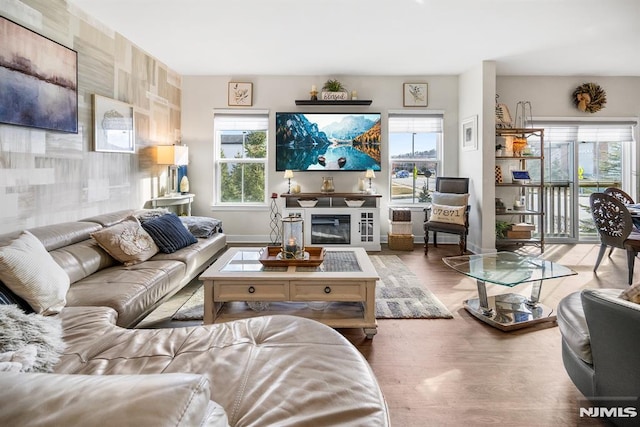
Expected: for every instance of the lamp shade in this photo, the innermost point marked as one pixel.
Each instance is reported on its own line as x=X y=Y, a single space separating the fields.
x=173 y=155
x=369 y=174
x=288 y=174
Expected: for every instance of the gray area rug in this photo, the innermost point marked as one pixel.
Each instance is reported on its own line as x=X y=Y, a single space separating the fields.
x=399 y=295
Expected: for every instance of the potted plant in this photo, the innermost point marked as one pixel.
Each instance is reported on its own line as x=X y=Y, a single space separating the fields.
x=334 y=90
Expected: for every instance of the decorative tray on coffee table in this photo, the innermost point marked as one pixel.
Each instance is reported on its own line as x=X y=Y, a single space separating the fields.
x=271 y=256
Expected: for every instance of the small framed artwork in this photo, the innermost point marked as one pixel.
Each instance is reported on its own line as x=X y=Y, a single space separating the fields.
x=240 y=94
x=113 y=126
x=469 y=133
x=414 y=94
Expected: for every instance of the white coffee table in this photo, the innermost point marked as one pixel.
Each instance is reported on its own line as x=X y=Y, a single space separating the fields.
x=339 y=293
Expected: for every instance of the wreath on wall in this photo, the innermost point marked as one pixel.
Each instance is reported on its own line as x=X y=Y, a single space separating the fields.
x=589 y=97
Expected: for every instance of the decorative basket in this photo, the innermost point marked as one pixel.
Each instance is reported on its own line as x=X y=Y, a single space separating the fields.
x=307 y=203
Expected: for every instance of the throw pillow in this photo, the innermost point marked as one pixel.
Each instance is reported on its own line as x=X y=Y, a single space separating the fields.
x=127 y=241
x=632 y=293
x=450 y=199
x=448 y=214
x=30 y=272
x=30 y=342
x=147 y=214
x=169 y=233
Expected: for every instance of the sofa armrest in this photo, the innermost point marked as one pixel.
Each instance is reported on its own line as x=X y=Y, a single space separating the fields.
x=614 y=327
x=97 y=400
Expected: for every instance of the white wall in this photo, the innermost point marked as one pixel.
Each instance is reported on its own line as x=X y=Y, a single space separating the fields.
x=202 y=94
x=476 y=86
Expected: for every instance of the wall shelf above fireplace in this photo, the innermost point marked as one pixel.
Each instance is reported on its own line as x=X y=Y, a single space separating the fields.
x=334 y=102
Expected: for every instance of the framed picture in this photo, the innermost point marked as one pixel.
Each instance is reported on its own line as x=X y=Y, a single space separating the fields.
x=113 y=126
x=469 y=133
x=414 y=94
x=38 y=80
x=240 y=94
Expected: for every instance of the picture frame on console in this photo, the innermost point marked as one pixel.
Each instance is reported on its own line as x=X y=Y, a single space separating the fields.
x=113 y=125
x=414 y=94
x=240 y=94
x=38 y=80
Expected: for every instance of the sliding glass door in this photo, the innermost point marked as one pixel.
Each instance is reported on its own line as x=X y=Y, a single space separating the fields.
x=581 y=159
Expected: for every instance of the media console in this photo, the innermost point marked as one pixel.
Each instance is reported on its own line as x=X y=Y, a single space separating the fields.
x=331 y=222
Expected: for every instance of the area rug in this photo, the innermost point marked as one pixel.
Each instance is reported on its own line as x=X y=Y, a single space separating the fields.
x=399 y=295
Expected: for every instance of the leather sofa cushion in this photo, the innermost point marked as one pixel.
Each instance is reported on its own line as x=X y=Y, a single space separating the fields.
x=82 y=259
x=91 y=400
x=58 y=235
x=198 y=256
x=268 y=370
x=573 y=324
x=108 y=219
x=130 y=290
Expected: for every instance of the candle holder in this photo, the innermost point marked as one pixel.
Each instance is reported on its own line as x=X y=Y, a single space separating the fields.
x=292 y=238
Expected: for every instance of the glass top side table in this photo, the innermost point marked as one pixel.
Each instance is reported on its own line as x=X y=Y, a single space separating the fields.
x=508 y=311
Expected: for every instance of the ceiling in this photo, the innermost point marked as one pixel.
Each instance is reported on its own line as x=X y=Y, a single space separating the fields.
x=380 y=37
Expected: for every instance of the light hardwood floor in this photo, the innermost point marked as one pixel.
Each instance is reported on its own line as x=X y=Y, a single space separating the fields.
x=460 y=371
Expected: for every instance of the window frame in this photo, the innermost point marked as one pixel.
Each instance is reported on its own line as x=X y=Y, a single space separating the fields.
x=227 y=116
x=438 y=160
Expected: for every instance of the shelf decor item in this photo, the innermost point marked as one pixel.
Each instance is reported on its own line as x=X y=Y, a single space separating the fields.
x=589 y=97
x=354 y=203
x=288 y=174
x=333 y=90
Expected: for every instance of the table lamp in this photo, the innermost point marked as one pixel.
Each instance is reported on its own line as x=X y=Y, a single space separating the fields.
x=174 y=156
x=288 y=174
x=369 y=174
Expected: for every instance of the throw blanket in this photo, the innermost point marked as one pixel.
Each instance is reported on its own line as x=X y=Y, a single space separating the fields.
x=202 y=226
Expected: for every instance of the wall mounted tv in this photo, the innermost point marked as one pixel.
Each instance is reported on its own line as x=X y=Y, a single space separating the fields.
x=327 y=141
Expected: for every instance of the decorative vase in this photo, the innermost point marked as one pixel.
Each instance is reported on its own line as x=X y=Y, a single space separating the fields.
x=327 y=185
x=184 y=184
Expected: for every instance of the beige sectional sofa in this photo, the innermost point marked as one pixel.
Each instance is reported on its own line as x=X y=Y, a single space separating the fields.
x=264 y=371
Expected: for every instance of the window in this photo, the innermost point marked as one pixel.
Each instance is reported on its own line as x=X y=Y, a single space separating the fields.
x=415 y=144
x=582 y=157
x=240 y=158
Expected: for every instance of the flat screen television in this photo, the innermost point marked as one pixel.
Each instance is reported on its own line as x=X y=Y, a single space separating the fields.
x=327 y=141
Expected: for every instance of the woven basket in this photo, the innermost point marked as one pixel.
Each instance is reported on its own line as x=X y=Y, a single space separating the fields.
x=400 y=242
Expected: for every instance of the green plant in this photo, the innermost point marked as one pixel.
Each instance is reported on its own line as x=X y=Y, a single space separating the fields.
x=333 y=86
x=501 y=227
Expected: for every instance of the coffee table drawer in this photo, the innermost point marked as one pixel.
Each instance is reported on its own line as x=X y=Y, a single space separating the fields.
x=328 y=291
x=248 y=291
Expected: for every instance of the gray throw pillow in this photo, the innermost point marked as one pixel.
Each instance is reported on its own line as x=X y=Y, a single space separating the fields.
x=450 y=199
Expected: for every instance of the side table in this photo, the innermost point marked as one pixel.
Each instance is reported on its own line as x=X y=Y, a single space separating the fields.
x=177 y=200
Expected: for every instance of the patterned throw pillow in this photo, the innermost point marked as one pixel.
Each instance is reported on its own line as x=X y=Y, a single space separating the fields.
x=169 y=233
x=448 y=214
x=127 y=241
x=30 y=272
